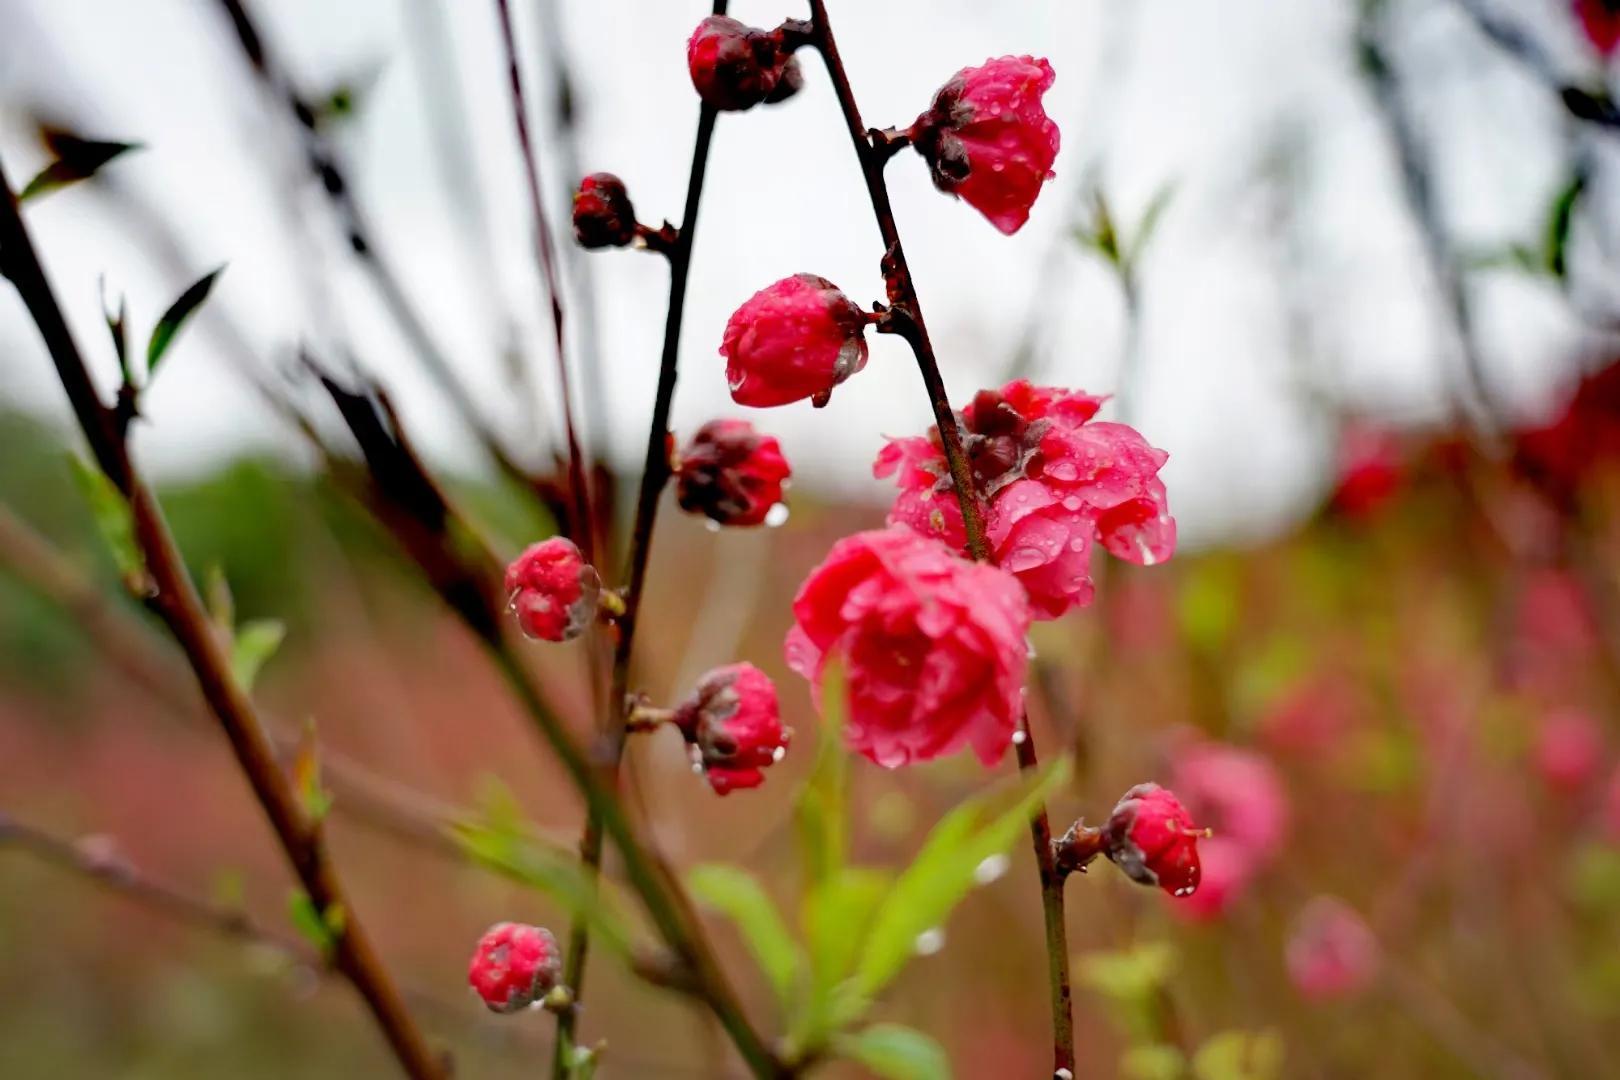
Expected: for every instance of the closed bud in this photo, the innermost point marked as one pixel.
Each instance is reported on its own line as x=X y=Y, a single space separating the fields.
x=733 y=727
x=553 y=591
x=513 y=966
x=794 y=339
x=730 y=473
x=735 y=67
x=603 y=214
x=1152 y=839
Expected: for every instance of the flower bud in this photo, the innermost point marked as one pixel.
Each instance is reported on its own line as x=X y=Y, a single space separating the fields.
x=1151 y=838
x=1600 y=21
x=732 y=726
x=795 y=339
x=988 y=140
x=513 y=966
x=603 y=214
x=553 y=591
x=735 y=67
x=730 y=473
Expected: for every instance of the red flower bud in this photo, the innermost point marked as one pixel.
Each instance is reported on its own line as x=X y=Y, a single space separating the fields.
x=989 y=141
x=1150 y=837
x=552 y=590
x=514 y=966
x=736 y=67
x=1600 y=20
x=733 y=727
x=730 y=473
x=795 y=339
x=603 y=214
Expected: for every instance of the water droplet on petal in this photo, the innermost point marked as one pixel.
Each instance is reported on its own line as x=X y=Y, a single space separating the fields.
x=1019 y=738
x=776 y=516
x=711 y=524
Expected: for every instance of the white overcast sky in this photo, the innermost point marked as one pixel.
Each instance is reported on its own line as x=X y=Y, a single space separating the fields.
x=1149 y=92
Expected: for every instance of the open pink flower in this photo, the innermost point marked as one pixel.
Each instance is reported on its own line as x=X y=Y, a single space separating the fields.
x=1056 y=482
x=932 y=646
x=988 y=140
x=1331 y=952
x=794 y=339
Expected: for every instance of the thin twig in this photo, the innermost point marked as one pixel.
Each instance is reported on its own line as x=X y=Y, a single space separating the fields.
x=408 y=502
x=654 y=476
x=1593 y=105
x=1417 y=186
x=174 y=599
x=324 y=165
x=907 y=321
x=582 y=525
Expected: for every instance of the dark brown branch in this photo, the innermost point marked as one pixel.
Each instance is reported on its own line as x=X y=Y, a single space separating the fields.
x=904 y=317
x=175 y=600
x=654 y=476
x=582 y=527
x=405 y=499
x=325 y=167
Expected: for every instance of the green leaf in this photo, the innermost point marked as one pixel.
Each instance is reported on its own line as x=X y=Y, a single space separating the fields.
x=1240 y=1055
x=525 y=858
x=256 y=642
x=836 y=916
x=76 y=159
x=736 y=893
x=821 y=814
x=1149 y=222
x=944 y=870
x=1559 y=219
x=321 y=930
x=173 y=319
x=896 y=1052
x=114 y=521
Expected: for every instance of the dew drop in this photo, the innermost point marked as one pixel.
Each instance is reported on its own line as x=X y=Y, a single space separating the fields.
x=991 y=869
x=1019 y=738
x=776 y=516
x=711 y=524
x=930 y=942
x=779 y=753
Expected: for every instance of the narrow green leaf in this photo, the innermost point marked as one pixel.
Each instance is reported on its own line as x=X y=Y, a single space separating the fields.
x=837 y=914
x=944 y=870
x=737 y=894
x=821 y=814
x=311 y=925
x=76 y=159
x=173 y=319
x=897 y=1052
x=113 y=519
x=1560 y=217
x=256 y=642
x=217 y=595
x=552 y=870
x=1149 y=222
